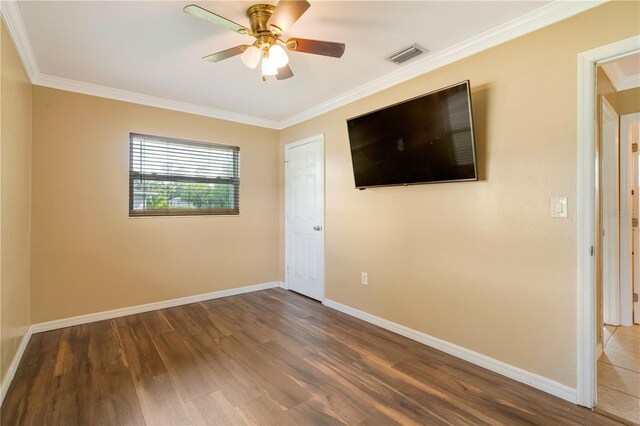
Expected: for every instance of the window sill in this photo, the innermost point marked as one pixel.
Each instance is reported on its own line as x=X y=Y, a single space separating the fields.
x=165 y=213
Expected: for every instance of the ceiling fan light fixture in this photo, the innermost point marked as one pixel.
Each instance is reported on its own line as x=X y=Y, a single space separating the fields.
x=268 y=22
x=251 y=57
x=278 y=56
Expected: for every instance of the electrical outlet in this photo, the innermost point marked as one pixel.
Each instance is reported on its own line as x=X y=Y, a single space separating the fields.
x=365 y=278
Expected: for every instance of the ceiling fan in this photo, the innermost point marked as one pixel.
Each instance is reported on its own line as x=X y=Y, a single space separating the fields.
x=268 y=22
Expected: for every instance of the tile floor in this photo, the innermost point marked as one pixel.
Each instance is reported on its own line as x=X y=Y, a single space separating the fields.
x=619 y=373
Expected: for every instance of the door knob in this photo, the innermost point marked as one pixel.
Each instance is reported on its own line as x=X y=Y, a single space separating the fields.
x=317 y=228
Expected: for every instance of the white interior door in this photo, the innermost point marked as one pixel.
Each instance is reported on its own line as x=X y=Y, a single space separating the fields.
x=628 y=214
x=304 y=195
x=630 y=130
x=610 y=150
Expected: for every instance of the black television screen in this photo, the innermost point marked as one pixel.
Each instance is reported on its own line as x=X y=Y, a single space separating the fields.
x=427 y=139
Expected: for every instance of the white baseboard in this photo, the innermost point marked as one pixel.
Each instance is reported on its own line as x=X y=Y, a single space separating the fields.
x=13 y=367
x=115 y=313
x=284 y=285
x=539 y=382
x=534 y=380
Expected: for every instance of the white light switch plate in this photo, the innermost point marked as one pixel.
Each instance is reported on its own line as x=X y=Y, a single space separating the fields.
x=559 y=207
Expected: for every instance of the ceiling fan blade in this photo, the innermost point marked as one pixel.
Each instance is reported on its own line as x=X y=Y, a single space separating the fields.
x=226 y=54
x=317 y=47
x=284 y=73
x=205 y=15
x=286 y=14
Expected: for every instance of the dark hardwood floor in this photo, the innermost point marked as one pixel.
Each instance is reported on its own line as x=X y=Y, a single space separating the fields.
x=271 y=358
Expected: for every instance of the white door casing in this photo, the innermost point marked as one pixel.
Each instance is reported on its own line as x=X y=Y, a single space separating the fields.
x=304 y=217
x=586 y=212
x=629 y=236
x=610 y=149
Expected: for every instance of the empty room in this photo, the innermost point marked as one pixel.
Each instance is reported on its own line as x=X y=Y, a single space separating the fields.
x=319 y=212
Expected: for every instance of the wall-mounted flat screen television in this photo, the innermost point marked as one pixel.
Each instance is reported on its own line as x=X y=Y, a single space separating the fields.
x=426 y=139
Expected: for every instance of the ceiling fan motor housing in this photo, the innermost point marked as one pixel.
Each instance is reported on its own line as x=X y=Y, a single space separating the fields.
x=259 y=15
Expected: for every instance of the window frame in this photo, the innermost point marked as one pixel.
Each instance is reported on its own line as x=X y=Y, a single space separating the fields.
x=186 y=212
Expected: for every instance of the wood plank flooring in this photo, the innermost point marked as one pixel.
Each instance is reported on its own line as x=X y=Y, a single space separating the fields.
x=269 y=358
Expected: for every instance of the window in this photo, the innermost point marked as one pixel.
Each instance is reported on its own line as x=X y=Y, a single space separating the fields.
x=173 y=177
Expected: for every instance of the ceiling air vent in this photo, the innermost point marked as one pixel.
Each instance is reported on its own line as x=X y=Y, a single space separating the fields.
x=406 y=54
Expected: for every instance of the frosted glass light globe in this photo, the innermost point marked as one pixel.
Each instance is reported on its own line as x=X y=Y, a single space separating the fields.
x=251 y=57
x=278 y=55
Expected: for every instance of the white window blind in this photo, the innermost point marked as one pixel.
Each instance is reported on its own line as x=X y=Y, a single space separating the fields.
x=178 y=177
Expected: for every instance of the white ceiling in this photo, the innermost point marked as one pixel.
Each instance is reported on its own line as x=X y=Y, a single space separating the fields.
x=149 y=51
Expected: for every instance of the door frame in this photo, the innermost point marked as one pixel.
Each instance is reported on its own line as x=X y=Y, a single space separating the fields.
x=611 y=253
x=626 y=213
x=586 y=212
x=287 y=190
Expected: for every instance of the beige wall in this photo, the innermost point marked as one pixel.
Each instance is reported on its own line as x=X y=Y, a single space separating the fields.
x=481 y=264
x=628 y=101
x=15 y=201
x=89 y=256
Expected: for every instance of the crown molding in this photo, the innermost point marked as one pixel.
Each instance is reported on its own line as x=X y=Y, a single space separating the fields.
x=529 y=22
x=534 y=20
x=618 y=79
x=153 y=101
x=18 y=33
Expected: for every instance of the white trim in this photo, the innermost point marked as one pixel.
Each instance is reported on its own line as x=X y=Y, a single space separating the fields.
x=15 y=26
x=626 y=213
x=287 y=148
x=115 y=313
x=154 y=101
x=18 y=33
x=586 y=208
x=13 y=367
x=518 y=374
x=284 y=285
x=618 y=79
x=534 y=20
